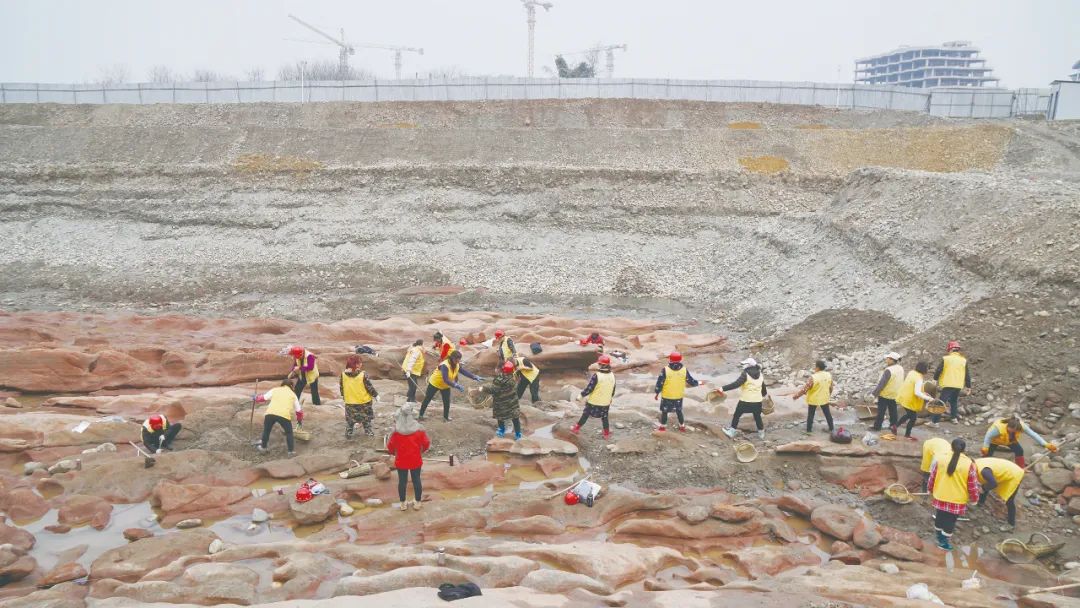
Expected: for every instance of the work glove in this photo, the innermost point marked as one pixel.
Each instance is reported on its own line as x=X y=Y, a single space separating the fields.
x=985 y=451
x=458 y=386
x=1052 y=446
x=481 y=379
x=300 y=417
x=378 y=399
x=259 y=399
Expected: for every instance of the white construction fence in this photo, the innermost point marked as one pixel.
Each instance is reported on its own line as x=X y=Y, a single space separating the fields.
x=960 y=103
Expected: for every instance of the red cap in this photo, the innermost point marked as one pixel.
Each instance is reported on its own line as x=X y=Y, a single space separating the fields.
x=499 y=333
x=156 y=422
x=952 y=345
x=296 y=351
x=604 y=360
x=462 y=342
x=675 y=356
x=571 y=498
x=303 y=493
x=508 y=367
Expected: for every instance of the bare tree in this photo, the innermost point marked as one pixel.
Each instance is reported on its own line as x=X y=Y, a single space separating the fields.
x=113 y=74
x=205 y=75
x=163 y=74
x=255 y=75
x=320 y=70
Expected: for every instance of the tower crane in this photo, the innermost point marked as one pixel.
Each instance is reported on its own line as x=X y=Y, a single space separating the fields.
x=530 y=9
x=398 y=50
x=609 y=55
x=345 y=49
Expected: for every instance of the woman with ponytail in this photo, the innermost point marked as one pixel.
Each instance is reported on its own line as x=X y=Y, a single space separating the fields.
x=953 y=484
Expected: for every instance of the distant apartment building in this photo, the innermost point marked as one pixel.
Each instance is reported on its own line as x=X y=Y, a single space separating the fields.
x=952 y=64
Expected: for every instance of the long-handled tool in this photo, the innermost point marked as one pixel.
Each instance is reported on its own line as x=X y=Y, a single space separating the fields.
x=251 y=423
x=148 y=460
x=569 y=487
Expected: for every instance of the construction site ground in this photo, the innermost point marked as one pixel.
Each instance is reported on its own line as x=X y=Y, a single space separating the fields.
x=159 y=257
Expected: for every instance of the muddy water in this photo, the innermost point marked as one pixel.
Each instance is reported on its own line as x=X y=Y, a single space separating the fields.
x=50 y=545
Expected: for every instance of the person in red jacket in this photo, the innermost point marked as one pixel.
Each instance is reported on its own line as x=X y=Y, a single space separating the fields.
x=408 y=444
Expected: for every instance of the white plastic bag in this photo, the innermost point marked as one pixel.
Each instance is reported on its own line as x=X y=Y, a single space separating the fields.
x=972 y=583
x=919 y=591
x=870 y=439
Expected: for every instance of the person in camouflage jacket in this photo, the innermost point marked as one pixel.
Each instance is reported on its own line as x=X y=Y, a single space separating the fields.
x=504 y=400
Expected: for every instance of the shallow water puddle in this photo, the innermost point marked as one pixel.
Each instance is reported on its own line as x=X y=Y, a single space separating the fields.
x=50 y=545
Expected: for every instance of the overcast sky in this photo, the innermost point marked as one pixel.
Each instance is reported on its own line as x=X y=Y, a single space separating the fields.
x=1029 y=43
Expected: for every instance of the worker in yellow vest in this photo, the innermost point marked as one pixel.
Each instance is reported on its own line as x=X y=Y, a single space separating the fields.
x=504 y=345
x=306 y=372
x=887 y=390
x=358 y=394
x=914 y=393
x=442 y=380
x=953 y=375
x=670 y=387
x=931 y=449
x=158 y=433
x=528 y=377
x=953 y=484
x=413 y=366
x=443 y=345
x=752 y=391
x=1004 y=433
x=283 y=406
x=598 y=394
x=818 y=390
x=1003 y=478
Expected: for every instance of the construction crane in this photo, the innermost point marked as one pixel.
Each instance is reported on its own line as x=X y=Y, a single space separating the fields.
x=345 y=49
x=530 y=9
x=398 y=50
x=609 y=52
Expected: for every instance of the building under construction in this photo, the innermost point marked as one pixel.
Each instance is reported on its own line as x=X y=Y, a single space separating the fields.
x=952 y=64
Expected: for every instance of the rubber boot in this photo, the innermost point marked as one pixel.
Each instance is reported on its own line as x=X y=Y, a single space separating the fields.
x=1020 y=461
x=607 y=434
x=682 y=428
x=517 y=436
x=730 y=432
x=943 y=542
x=575 y=429
x=662 y=428
x=500 y=433
x=761 y=434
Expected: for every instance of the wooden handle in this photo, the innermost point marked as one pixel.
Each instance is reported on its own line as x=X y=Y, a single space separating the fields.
x=1049 y=589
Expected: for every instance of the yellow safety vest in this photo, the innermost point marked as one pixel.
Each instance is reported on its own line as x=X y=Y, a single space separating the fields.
x=952 y=488
x=530 y=373
x=282 y=402
x=164 y=424
x=436 y=376
x=418 y=365
x=931 y=449
x=907 y=397
x=891 y=390
x=674 y=383
x=604 y=390
x=354 y=392
x=1002 y=438
x=313 y=375
x=821 y=391
x=750 y=391
x=953 y=370
x=1007 y=473
x=504 y=346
